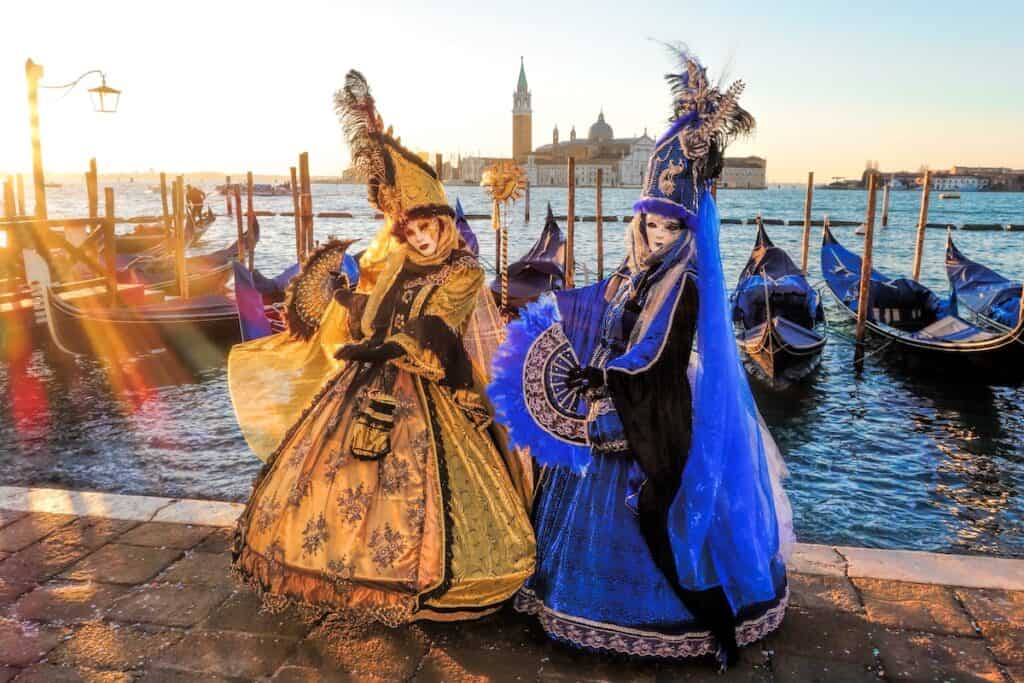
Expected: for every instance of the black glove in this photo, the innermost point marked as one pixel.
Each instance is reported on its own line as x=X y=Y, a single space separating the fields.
x=370 y=352
x=343 y=294
x=582 y=379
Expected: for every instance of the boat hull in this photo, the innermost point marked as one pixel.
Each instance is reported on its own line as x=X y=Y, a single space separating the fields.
x=781 y=353
x=999 y=362
x=939 y=343
x=191 y=329
x=155 y=242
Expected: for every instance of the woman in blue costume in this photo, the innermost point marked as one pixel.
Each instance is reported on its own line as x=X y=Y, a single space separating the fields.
x=661 y=525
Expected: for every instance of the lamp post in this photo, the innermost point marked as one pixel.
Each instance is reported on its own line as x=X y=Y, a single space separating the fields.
x=104 y=98
x=33 y=72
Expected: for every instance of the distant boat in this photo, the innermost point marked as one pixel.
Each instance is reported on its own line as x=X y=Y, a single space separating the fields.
x=259 y=189
x=53 y=184
x=949 y=195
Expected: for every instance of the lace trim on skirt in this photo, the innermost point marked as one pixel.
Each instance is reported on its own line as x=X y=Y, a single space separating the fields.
x=594 y=635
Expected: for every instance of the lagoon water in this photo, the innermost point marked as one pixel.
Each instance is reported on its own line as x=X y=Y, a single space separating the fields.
x=887 y=459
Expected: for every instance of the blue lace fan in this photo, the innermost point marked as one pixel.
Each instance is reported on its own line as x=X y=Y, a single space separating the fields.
x=529 y=391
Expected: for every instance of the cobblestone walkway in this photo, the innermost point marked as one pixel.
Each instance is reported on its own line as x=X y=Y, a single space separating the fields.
x=99 y=599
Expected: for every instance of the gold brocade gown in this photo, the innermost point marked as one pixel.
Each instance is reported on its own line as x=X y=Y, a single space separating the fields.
x=428 y=526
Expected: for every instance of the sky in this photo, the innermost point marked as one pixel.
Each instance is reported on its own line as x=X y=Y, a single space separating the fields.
x=237 y=86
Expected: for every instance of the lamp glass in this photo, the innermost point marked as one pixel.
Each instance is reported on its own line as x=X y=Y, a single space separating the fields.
x=104 y=98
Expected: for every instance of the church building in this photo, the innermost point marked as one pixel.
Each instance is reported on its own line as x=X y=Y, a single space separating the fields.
x=623 y=161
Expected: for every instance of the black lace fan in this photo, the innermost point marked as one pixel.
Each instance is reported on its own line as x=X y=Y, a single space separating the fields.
x=310 y=291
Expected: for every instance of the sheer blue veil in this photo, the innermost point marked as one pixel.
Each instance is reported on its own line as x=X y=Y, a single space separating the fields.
x=723 y=522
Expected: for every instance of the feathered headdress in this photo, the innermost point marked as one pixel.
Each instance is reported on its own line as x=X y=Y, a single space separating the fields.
x=705 y=119
x=399 y=183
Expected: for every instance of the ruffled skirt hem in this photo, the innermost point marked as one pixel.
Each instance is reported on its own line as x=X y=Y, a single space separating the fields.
x=598 y=636
x=316 y=596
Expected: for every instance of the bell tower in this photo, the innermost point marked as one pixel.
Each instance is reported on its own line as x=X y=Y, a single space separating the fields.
x=522 y=119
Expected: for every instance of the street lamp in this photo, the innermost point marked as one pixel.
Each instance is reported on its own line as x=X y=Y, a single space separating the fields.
x=104 y=99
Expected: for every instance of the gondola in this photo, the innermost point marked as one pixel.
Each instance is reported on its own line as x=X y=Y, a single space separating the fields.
x=81 y=322
x=911 y=319
x=541 y=270
x=151 y=238
x=777 y=315
x=992 y=298
x=207 y=274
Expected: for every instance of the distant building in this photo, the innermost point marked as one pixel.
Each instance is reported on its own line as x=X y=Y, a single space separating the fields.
x=959 y=183
x=956 y=179
x=471 y=169
x=748 y=173
x=522 y=118
x=999 y=179
x=622 y=160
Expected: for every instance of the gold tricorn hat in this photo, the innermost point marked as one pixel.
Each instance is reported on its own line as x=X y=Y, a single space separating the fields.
x=399 y=183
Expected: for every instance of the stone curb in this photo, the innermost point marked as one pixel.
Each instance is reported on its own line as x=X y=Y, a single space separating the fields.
x=913 y=566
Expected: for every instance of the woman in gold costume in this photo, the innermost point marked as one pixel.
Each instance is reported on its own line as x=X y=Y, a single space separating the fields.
x=391 y=494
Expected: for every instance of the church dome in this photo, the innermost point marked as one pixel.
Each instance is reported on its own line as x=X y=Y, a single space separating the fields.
x=600 y=131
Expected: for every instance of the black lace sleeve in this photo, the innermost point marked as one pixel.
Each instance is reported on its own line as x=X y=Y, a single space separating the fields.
x=655 y=405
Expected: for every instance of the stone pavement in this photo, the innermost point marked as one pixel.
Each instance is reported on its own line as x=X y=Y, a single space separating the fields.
x=124 y=588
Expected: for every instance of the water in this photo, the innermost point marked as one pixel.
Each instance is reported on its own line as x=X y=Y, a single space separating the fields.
x=886 y=460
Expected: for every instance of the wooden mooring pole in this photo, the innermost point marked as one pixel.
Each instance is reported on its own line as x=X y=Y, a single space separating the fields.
x=526 y=205
x=808 y=199
x=864 y=295
x=227 y=194
x=77 y=234
x=599 y=205
x=885 y=204
x=439 y=167
x=179 y=241
x=922 y=222
x=92 y=182
x=570 y=227
x=168 y=232
x=109 y=245
x=236 y=193
x=33 y=72
x=21 y=194
x=297 y=213
x=250 y=220
x=307 y=203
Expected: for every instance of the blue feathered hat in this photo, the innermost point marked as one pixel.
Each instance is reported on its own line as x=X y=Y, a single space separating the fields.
x=689 y=155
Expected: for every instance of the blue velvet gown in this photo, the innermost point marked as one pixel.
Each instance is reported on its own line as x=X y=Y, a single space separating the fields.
x=597 y=583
